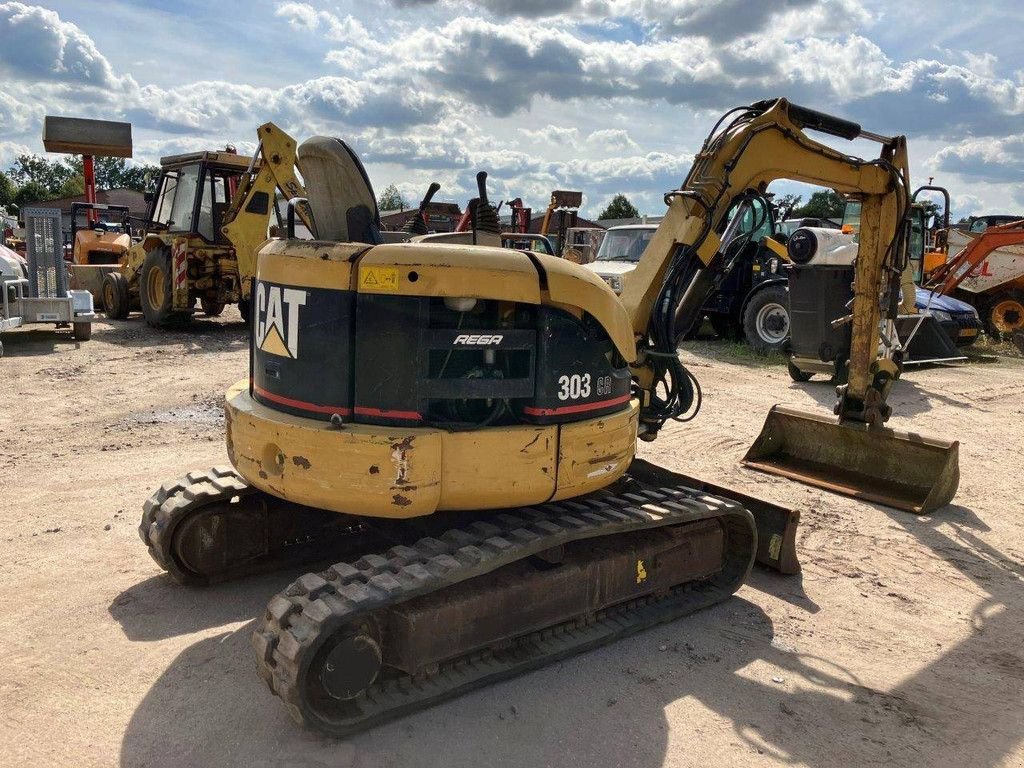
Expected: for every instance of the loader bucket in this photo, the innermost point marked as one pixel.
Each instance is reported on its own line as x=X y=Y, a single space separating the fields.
x=897 y=469
x=562 y=198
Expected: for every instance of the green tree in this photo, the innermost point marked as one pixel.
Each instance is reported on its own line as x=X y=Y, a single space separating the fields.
x=391 y=199
x=115 y=173
x=619 y=208
x=50 y=174
x=824 y=204
x=7 y=190
x=73 y=185
x=933 y=213
x=58 y=175
x=139 y=177
x=31 y=192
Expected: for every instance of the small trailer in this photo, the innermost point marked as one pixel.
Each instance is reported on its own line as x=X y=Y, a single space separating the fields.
x=37 y=291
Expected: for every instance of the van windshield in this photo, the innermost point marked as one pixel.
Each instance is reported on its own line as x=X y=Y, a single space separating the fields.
x=624 y=244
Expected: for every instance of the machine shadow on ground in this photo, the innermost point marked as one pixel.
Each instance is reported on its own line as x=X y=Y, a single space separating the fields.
x=908 y=397
x=978 y=682
x=199 y=336
x=608 y=707
x=38 y=341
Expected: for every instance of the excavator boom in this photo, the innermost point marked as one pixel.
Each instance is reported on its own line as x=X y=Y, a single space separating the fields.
x=765 y=142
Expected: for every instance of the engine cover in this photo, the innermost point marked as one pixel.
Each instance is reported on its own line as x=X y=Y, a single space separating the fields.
x=382 y=336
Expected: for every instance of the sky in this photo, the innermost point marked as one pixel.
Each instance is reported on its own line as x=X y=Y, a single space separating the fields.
x=604 y=96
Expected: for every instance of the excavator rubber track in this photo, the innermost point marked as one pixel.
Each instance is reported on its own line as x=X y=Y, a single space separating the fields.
x=211 y=526
x=373 y=638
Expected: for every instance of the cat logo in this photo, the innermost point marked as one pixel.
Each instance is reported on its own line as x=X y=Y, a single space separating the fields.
x=277 y=319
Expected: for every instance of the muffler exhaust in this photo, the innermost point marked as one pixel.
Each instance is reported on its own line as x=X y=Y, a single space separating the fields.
x=898 y=469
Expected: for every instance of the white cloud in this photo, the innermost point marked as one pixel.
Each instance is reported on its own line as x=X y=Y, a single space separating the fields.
x=611 y=140
x=9 y=152
x=986 y=159
x=51 y=49
x=552 y=134
x=601 y=95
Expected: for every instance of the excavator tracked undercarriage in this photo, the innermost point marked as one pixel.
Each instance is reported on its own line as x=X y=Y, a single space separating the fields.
x=423 y=610
x=454 y=427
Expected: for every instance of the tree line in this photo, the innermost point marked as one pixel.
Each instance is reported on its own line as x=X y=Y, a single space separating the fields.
x=33 y=179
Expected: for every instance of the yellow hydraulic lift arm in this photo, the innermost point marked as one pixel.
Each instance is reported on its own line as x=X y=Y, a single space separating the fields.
x=273 y=168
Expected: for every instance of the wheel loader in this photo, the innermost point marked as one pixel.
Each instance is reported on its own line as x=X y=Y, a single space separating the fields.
x=455 y=426
x=99 y=247
x=206 y=220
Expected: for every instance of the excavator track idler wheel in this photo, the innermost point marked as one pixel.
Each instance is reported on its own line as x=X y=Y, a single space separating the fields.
x=350 y=666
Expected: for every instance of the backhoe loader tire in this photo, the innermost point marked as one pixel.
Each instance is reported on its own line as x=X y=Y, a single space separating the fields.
x=211 y=307
x=81 y=331
x=244 y=307
x=766 y=319
x=116 y=302
x=155 y=290
x=1004 y=315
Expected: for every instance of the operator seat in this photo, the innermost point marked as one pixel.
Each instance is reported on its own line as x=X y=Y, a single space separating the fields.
x=339 y=192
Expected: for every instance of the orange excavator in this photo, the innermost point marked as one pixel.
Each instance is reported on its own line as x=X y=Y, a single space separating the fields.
x=987 y=270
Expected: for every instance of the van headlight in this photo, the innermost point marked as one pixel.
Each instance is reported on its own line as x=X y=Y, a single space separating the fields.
x=940 y=315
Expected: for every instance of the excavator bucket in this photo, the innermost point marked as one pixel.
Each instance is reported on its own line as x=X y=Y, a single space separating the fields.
x=897 y=469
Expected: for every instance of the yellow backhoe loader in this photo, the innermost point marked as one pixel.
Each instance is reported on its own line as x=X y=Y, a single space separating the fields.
x=209 y=215
x=456 y=425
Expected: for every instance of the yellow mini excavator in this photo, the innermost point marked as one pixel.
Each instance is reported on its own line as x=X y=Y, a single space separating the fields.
x=455 y=426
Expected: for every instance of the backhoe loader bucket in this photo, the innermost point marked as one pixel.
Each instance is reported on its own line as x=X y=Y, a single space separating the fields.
x=898 y=469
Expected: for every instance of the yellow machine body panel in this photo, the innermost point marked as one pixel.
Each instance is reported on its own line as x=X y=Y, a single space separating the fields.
x=276 y=441
x=110 y=246
x=594 y=453
x=409 y=472
x=445 y=269
x=311 y=263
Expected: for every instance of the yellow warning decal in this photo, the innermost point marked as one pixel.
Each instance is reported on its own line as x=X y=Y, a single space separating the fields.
x=774 y=546
x=382 y=279
x=641 y=571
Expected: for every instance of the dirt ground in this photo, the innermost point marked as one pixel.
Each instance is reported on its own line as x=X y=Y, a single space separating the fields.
x=902 y=642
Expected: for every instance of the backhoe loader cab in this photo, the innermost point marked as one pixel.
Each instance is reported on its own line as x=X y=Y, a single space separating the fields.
x=208 y=215
x=193 y=193
x=183 y=255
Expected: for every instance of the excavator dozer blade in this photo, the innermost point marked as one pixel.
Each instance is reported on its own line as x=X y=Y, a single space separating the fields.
x=898 y=469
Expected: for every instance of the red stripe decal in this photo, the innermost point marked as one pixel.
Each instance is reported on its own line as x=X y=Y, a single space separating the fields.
x=581 y=408
x=382 y=413
x=302 y=404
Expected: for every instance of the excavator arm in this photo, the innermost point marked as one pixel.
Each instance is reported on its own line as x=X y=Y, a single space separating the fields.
x=764 y=142
x=855 y=455
x=245 y=223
